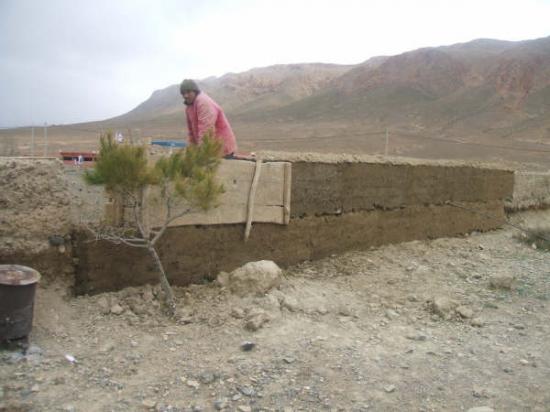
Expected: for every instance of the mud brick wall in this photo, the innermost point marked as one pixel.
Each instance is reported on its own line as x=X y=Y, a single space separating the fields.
x=531 y=191
x=34 y=208
x=335 y=207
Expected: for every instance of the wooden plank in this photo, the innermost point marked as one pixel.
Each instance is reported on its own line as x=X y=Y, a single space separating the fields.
x=252 y=198
x=272 y=197
x=286 y=192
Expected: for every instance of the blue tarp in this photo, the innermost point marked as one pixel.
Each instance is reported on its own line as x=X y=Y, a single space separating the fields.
x=169 y=143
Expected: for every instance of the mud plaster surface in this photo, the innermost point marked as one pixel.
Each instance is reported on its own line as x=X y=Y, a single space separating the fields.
x=194 y=254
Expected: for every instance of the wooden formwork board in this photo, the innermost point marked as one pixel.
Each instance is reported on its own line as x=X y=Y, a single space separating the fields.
x=271 y=200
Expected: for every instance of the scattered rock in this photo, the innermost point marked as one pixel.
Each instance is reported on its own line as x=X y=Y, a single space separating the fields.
x=103 y=304
x=256 y=319
x=465 y=312
x=477 y=322
x=504 y=282
x=34 y=350
x=290 y=303
x=220 y=404
x=192 y=384
x=255 y=278
x=389 y=388
x=481 y=409
x=207 y=377
x=246 y=390
x=116 y=309
x=56 y=240
x=412 y=298
x=149 y=403
x=417 y=337
x=237 y=312
x=443 y=306
x=391 y=314
x=247 y=346
x=289 y=359
x=223 y=279
x=244 y=408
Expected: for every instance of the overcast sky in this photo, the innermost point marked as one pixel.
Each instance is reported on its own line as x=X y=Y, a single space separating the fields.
x=64 y=61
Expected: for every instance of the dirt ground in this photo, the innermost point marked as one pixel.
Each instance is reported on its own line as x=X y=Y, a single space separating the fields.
x=415 y=326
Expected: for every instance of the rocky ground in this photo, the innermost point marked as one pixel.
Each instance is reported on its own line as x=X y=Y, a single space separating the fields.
x=448 y=324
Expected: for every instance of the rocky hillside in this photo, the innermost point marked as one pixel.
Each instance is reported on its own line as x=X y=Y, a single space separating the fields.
x=483 y=86
x=261 y=88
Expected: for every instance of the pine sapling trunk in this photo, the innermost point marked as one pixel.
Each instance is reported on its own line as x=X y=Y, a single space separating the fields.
x=164 y=284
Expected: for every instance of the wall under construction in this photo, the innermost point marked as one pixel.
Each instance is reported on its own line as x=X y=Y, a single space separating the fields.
x=35 y=215
x=348 y=204
x=531 y=191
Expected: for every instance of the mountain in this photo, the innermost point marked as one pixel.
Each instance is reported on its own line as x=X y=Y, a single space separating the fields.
x=261 y=88
x=485 y=99
x=481 y=87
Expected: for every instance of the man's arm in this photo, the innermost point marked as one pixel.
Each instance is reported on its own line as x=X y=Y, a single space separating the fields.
x=206 y=114
x=189 y=127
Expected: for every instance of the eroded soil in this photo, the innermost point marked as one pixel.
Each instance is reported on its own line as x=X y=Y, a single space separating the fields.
x=352 y=332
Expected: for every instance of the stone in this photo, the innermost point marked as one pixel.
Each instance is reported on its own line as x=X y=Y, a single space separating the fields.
x=192 y=384
x=220 y=404
x=465 y=312
x=256 y=319
x=223 y=279
x=503 y=282
x=389 y=388
x=116 y=309
x=237 y=312
x=247 y=346
x=207 y=377
x=34 y=350
x=246 y=390
x=477 y=322
x=149 y=403
x=391 y=314
x=290 y=303
x=244 y=408
x=289 y=359
x=255 y=278
x=419 y=337
x=481 y=409
x=443 y=306
x=104 y=305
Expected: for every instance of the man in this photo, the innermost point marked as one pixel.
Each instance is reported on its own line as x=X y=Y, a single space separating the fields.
x=204 y=114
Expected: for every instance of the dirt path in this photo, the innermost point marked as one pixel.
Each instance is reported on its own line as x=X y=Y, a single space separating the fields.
x=354 y=332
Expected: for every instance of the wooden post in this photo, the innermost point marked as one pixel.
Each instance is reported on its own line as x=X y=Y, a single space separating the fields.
x=286 y=192
x=387 y=143
x=251 y=198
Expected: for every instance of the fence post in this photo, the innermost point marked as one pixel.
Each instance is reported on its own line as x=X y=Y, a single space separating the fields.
x=32 y=141
x=387 y=143
x=45 y=139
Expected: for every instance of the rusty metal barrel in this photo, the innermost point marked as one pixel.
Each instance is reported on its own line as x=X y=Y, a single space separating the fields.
x=17 y=290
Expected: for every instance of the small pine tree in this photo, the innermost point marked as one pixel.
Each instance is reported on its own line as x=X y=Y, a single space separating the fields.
x=184 y=178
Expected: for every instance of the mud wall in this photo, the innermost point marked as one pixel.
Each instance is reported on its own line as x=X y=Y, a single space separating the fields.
x=35 y=218
x=335 y=206
x=531 y=191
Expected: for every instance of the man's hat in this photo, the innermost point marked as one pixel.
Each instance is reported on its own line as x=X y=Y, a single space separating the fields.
x=188 y=85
